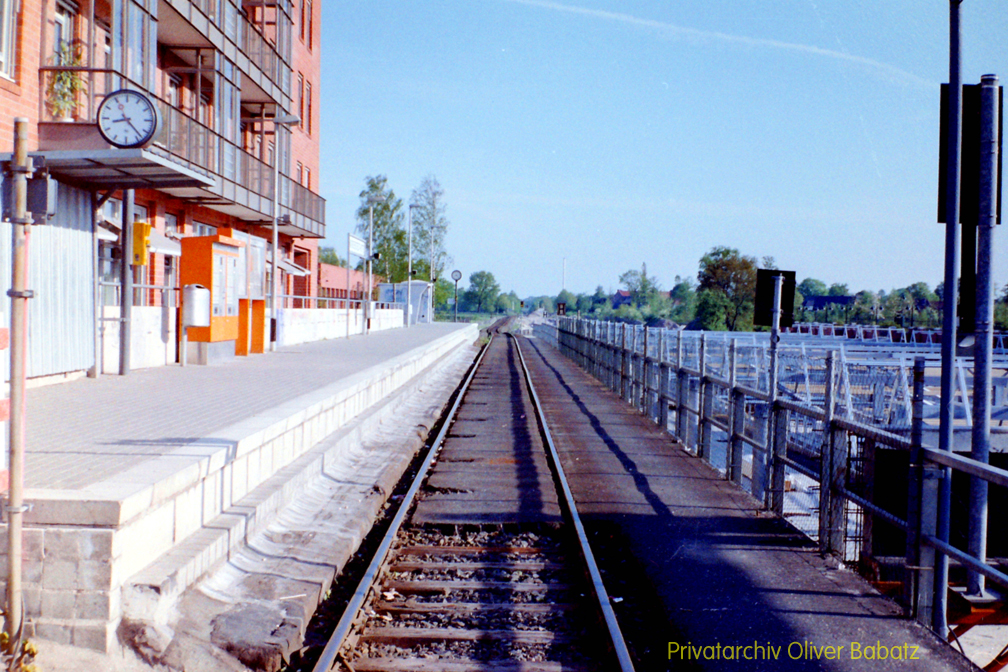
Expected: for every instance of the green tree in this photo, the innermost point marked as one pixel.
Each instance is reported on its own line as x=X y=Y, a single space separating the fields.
x=725 y=271
x=684 y=301
x=430 y=228
x=389 y=233
x=569 y=298
x=482 y=291
x=328 y=255
x=643 y=288
x=1001 y=310
x=812 y=287
x=838 y=289
x=712 y=307
x=443 y=289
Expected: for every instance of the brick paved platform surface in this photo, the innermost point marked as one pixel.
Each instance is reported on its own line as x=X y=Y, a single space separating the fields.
x=85 y=431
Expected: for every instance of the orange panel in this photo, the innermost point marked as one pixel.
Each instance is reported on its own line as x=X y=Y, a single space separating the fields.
x=242 y=342
x=258 y=326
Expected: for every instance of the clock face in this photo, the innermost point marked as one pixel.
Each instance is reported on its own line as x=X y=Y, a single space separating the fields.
x=127 y=118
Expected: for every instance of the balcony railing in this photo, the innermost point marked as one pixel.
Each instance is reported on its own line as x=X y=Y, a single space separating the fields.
x=262 y=52
x=184 y=138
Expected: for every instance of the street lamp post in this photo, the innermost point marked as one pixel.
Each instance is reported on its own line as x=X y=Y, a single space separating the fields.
x=371 y=200
x=278 y=120
x=409 y=268
x=456 y=276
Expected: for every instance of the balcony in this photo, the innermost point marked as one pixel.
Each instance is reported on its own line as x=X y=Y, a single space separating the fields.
x=221 y=25
x=210 y=169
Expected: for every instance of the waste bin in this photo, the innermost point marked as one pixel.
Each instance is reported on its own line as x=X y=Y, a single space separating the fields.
x=195 y=306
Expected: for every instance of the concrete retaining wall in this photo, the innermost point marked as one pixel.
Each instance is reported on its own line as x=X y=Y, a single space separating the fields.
x=303 y=325
x=152 y=337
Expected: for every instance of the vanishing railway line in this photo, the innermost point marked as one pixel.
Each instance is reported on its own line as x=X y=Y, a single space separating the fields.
x=486 y=565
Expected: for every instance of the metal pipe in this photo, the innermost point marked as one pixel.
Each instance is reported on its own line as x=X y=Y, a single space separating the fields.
x=275 y=236
x=126 y=282
x=348 y=288
x=19 y=295
x=95 y=370
x=945 y=435
x=774 y=494
x=983 y=334
x=409 y=270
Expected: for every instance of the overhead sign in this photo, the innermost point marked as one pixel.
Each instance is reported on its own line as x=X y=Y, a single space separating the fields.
x=765 y=285
x=356 y=246
x=969 y=175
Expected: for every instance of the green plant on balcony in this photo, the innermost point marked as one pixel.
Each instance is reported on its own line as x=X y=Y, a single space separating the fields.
x=65 y=86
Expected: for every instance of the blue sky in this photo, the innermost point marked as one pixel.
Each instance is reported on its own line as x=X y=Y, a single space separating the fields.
x=619 y=133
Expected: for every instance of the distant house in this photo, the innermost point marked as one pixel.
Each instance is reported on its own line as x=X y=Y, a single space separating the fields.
x=332 y=283
x=823 y=302
x=623 y=297
x=620 y=298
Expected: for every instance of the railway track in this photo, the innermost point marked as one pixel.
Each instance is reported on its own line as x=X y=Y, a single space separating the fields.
x=486 y=565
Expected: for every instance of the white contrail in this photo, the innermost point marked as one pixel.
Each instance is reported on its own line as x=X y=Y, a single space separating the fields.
x=682 y=31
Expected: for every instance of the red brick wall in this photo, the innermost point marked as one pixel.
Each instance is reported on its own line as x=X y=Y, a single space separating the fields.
x=307 y=63
x=20 y=98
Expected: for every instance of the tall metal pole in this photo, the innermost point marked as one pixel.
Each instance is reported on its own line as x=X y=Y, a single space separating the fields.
x=19 y=295
x=456 y=302
x=126 y=283
x=275 y=272
x=370 y=279
x=775 y=451
x=946 y=410
x=347 y=287
x=983 y=334
x=409 y=270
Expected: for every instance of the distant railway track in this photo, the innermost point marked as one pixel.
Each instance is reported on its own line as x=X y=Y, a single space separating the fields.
x=485 y=566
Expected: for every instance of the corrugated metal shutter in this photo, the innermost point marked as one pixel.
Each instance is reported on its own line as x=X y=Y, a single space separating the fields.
x=60 y=271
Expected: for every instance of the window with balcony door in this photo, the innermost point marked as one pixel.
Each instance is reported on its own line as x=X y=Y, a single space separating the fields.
x=8 y=37
x=134 y=43
x=300 y=99
x=308 y=108
x=310 y=26
x=302 y=24
x=63 y=32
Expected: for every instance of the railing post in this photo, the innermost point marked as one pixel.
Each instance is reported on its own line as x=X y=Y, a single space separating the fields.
x=645 y=402
x=623 y=362
x=610 y=363
x=682 y=392
x=736 y=410
x=663 y=406
x=704 y=404
x=777 y=472
x=922 y=510
x=833 y=471
x=632 y=367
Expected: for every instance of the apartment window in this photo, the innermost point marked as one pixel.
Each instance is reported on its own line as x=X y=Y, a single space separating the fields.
x=307 y=178
x=8 y=37
x=300 y=99
x=310 y=28
x=63 y=32
x=302 y=23
x=175 y=91
x=201 y=229
x=298 y=173
x=308 y=107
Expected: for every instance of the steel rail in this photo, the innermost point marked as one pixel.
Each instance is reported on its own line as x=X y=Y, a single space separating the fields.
x=619 y=644
x=328 y=656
